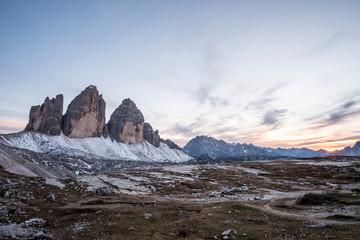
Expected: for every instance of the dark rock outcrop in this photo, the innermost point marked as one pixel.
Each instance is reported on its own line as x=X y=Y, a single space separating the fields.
x=126 y=123
x=170 y=143
x=85 y=116
x=150 y=135
x=47 y=117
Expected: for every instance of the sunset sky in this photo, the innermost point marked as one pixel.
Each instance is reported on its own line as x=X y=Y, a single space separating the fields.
x=271 y=73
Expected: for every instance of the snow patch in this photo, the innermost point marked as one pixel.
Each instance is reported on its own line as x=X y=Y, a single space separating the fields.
x=95 y=148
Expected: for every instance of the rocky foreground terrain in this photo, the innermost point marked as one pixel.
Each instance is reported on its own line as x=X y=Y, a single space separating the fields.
x=315 y=198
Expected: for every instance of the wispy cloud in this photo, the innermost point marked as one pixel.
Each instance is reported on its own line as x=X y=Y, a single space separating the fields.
x=188 y=130
x=266 y=97
x=342 y=113
x=274 y=117
x=211 y=77
x=203 y=94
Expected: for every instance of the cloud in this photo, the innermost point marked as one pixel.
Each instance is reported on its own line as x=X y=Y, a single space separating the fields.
x=203 y=94
x=338 y=115
x=273 y=118
x=266 y=97
x=335 y=40
x=349 y=104
x=189 y=130
x=342 y=113
x=211 y=68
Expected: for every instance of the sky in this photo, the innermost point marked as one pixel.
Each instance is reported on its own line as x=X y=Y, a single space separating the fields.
x=272 y=73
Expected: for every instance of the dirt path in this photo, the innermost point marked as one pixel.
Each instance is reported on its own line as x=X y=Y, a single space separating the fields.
x=311 y=217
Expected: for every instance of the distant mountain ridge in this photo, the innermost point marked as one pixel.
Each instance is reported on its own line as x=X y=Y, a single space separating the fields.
x=349 y=151
x=211 y=148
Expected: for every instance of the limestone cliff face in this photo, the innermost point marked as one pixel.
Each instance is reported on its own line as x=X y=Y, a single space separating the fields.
x=85 y=116
x=47 y=117
x=150 y=135
x=126 y=124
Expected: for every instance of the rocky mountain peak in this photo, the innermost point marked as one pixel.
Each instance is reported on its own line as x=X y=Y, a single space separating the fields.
x=85 y=116
x=126 y=123
x=357 y=145
x=47 y=117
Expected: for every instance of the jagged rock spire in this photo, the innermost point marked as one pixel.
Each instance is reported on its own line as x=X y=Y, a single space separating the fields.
x=126 y=123
x=85 y=116
x=47 y=117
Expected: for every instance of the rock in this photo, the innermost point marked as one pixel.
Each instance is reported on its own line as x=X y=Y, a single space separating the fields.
x=170 y=144
x=19 y=181
x=16 y=211
x=316 y=199
x=85 y=116
x=104 y=191
x=147 y=216
x=226 y=233
x=126 y=123
x=41 y=235
x=47 y=118
x=150 y=135
x=3 y=212
x=4 y=181
x=50 y=197
x=35 y=222
x=105 y=131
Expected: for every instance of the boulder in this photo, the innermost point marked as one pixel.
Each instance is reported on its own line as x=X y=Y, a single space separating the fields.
x=126 y=123
x=104 y=191
x=85 y=116
x=150 y=135
x=47 y=118
x=50 y=197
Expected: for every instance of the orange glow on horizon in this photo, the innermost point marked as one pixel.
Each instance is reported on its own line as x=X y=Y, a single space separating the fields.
x=327 y=146
x=333 y=149
x=331 y=146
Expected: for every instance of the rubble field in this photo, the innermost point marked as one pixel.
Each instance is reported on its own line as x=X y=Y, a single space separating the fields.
x=316 y=198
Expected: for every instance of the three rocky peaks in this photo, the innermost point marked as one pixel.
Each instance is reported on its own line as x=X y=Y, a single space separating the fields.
x=85 y=117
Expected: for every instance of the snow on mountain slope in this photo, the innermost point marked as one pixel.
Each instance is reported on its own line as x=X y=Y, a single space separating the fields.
x=93 y=147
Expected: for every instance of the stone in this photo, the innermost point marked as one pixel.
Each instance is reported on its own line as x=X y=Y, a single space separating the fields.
x=47 y=118
x=150 y=135
x=85 y=116
x=4 y=181
x=35 y=222
x=170 y=144
x=147 y=216
x=104 y=191
x=126 y=123
x=50 y=197
x=41 y=235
